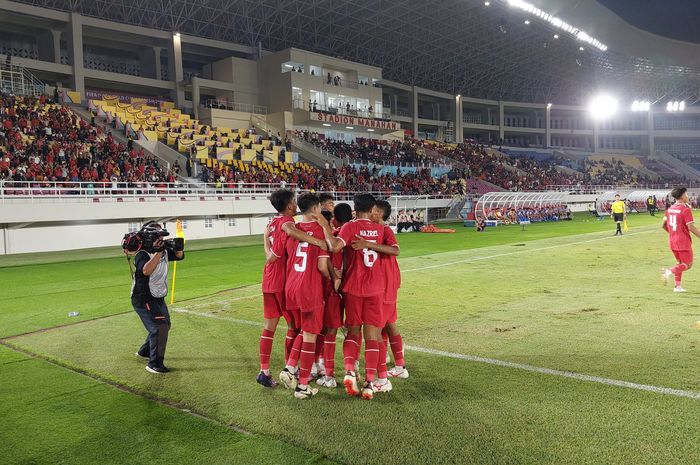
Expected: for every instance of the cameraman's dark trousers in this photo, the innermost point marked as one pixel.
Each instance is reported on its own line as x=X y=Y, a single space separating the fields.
x=156 y=319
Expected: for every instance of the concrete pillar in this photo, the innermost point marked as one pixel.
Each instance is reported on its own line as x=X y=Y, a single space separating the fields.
x=459 y=125
x=157 y=65
x=177 y=75
x=501 y=122
x=596 y=135
x=75 y=50
x=652 y=141
x=547 y=125
x=50 y=46
x=195 y=96
x=415 y=111
x=394 y=104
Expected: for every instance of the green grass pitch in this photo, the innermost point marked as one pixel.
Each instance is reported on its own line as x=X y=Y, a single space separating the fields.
x=555 y=301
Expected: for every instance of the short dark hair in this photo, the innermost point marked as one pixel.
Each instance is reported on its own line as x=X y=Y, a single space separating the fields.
x=385 y=207
x=342 y=213
x=678 y=192
x=364 y=203
x=281 y=198
x=327 y=215
x=307 y=201
x=325 y=197
x=617 y=195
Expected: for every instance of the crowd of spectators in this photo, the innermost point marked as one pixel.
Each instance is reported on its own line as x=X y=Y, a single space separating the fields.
x=43 y=141
x=531 y=214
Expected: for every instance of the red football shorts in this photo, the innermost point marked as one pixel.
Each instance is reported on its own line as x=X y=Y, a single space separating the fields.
x=683 y=256
x=273 y=304
x=364 y=310
x=312 y=321
x=333 y=314
x=389 y=312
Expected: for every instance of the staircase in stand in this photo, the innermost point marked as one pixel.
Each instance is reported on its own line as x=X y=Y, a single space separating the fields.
x=18 y=80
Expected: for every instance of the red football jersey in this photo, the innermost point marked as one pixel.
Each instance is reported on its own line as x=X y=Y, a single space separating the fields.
x=304 y=281
x=678 y=217
x=364 y=276
x=390 y=267
x=337 y=262
x=275 y=272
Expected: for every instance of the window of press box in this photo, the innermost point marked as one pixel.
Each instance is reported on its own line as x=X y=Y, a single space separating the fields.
x=315 y=70
x=292 y=67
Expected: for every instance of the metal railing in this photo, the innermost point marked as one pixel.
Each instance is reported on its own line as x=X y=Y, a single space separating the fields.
x=597 y=188
x=300 y=104
x=40 y=192
x=18 y=80
x=217 y=104
x=13 y=191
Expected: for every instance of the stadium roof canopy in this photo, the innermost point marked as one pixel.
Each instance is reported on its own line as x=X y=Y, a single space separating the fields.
x=455 y=46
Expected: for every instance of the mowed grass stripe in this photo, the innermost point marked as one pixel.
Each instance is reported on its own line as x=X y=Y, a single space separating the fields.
x=447 y=412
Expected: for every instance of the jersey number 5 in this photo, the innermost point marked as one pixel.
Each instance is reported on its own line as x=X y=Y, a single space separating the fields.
x=369 y=257
x=301 y=253
x=673 y=221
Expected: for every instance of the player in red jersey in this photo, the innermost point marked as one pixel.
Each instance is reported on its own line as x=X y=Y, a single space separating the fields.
x=333 y=315
x=363 y=290
x=679 y=223
x=390 y=332
x=307 y=268
x=275 y=241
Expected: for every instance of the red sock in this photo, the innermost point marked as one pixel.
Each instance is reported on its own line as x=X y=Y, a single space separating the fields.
x=308 y=349
x=350 y=349
x=289 y=342
x=319 y=347
x=381 y=360
x=294 y=353
x=397 y=349
x=329 y=354
x=678 y=272
x=371 y=359
x=266 y=340
x=359 y=346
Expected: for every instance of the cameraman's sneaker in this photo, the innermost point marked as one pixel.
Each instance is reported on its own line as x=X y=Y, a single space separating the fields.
x=288 y=379
x=308 y=391
x=398 y=372
x=160 y=369
x=265 y=380
x=138 y=354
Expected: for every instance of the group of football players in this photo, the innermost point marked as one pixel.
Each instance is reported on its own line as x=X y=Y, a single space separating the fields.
x=331 y=270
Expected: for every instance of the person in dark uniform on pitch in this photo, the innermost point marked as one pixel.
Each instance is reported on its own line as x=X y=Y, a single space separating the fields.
x=619 y=212
x=148 y=291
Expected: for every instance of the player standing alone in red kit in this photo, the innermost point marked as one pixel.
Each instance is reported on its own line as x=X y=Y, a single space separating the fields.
x=679 y=223
x=275 y=241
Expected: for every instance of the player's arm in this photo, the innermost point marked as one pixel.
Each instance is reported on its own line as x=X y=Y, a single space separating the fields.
x=269 y=256
x=334 y=244
x=291 y=230
x=694 y=229
x=664 y=225
x=361 y=243
x=324 y=267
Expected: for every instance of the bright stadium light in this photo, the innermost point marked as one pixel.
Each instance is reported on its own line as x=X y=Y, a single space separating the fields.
x=675 y=106
x=557 y=23
x=327 y=125
x=487 y=3
x=603 y=107
x=556 y=36
x=641 y=105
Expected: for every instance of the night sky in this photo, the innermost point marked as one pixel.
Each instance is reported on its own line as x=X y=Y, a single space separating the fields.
x=677 y=19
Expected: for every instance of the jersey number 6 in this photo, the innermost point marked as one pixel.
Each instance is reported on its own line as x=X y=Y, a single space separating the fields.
x=369 y=257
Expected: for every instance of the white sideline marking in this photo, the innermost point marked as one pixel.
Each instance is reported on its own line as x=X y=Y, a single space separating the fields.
x=501 y=363
x=439 y=265
x=505 y=254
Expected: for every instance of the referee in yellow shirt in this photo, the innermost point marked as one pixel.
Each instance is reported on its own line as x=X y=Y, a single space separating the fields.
x=619 y=212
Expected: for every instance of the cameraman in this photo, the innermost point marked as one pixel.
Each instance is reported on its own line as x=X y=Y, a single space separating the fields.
x=148 y=291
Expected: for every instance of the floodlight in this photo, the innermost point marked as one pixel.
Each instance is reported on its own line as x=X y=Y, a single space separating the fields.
x=681 y=106
x=487 y=3
x=635 y=106
x=603 y=107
